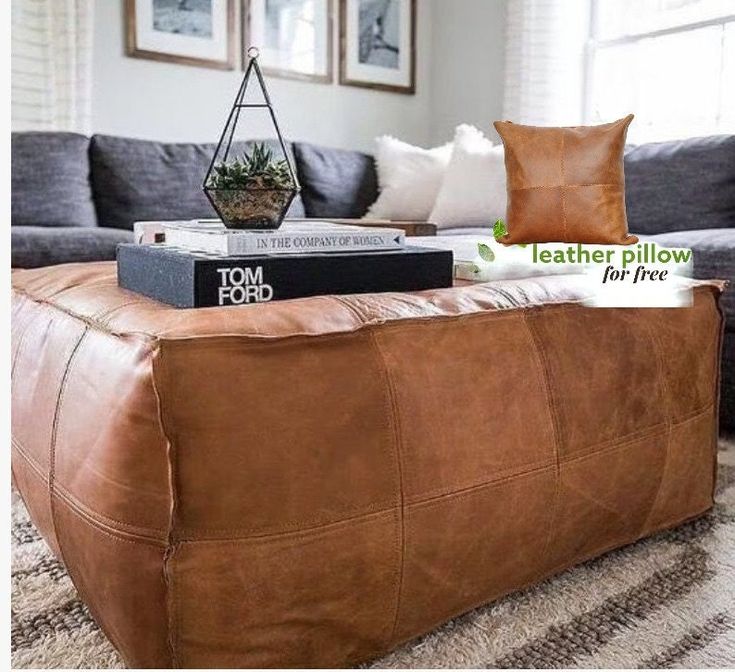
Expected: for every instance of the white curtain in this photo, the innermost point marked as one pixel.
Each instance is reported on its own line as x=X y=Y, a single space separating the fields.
x=51 y=64
x=545 y=61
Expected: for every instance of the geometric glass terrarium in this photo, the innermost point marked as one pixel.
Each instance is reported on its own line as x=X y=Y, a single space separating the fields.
x=251 y=184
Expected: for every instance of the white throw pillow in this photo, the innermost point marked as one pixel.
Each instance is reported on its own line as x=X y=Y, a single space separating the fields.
x=473 y=192
x=409 y=179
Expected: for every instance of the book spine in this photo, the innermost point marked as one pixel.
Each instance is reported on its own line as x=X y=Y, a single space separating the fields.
x=187 y=281
x=242 y=282
x=285 y=243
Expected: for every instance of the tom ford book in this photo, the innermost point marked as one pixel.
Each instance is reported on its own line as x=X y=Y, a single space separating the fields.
x=188 y=279
x=293 y=237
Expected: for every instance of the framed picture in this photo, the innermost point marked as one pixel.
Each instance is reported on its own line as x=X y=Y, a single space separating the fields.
x=377 y=40
x=191 y=32
x=294 y=37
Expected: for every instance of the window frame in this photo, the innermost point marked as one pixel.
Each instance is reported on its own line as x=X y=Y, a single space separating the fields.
x=593 y=45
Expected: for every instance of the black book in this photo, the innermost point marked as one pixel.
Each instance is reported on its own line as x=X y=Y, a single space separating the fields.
x=188 y=279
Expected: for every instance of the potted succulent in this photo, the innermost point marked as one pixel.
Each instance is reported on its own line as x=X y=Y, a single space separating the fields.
x=253 y=191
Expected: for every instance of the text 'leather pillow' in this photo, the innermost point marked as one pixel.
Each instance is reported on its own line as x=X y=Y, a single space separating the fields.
x=566 y=184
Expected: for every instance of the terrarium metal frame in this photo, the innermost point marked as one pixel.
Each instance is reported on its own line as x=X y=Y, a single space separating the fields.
x=269 y=204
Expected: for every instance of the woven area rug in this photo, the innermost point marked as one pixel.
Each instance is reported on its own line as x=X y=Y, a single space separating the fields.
x=667 y=601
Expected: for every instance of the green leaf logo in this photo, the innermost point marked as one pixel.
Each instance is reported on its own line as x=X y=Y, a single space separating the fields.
x=486 y=254
x=499 y=229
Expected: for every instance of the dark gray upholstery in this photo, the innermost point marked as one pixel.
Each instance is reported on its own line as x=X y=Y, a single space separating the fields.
x=137 y=180
x=33 y=246
x=335 y=183
x=713 y=257
x=727 y=388
x=50 y=180
x=682 y=185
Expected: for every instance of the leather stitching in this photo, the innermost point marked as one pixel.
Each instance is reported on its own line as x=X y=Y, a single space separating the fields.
x=16 y=354
x=396 y=422
x=710 y=286
x=54 y=431
x=157 y=369
x=666 y=392
x=570 y=186
x=541 y=353
x=76 y=580
x=95 y=516
x=426 y=498
x=352 y=511
x=311 y=532
x=90 y=322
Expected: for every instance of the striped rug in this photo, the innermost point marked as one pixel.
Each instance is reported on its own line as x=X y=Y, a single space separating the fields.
x=667 y=601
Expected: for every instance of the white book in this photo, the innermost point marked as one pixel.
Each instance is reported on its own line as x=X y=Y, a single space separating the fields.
x=293 y=237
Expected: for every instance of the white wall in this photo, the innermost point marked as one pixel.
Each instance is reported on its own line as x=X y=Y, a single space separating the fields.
x=459 y=79
x=467 y=65
x=163 y=101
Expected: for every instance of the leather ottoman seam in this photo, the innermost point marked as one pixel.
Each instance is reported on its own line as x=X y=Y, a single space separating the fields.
x=538 y=467
x=571 y=186
x=111 y=532
x=102 y=317
x=398 y=443
x=488 y=485
x=112 y=523
x=184 y=534
x=127 y=528
x=53 y=495
x=666 y=392
x=499 y=476
x=293 y=534
x=353 y=512
x=546 y=376
x=712 y=286
x=90 y=322
x=54 y=430
x=18 y=348
x=32 y=463
x=157 y=378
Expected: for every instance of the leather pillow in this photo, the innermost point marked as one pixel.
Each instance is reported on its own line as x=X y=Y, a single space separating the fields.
x=566 y=184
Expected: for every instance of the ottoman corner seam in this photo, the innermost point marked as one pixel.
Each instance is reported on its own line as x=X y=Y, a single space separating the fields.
x=171 y=542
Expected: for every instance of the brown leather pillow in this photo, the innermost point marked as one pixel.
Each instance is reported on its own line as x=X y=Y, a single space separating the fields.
x=566 y=184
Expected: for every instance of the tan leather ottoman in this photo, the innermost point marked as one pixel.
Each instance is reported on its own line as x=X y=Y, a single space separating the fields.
x=310 y=483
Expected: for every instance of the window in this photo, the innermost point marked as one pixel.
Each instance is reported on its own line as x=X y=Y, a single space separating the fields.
x=671 y=62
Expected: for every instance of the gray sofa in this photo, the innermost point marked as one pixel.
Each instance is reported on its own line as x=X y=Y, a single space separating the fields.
x=75 y=198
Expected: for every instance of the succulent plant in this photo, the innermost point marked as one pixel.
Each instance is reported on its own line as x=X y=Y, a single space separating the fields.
x=257 y=169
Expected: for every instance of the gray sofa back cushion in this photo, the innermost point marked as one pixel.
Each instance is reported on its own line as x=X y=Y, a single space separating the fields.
x=34 y=246
x=137 y=180
x=335 y=183
x=50 y=180
x=675 y=186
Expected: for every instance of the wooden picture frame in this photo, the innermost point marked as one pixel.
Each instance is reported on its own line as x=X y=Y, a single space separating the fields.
x=347 y=47
x=228 y=51
x=249 y=40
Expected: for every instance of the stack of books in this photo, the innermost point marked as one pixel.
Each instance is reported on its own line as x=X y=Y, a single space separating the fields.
x=198 y=264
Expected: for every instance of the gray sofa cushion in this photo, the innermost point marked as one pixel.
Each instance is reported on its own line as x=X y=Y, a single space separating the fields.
x=34 y=246
x=675 y=186
x=335 y=183
x=50 y=180
x=136 y=180
x=727 y=389
x=714 y=258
